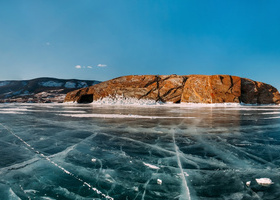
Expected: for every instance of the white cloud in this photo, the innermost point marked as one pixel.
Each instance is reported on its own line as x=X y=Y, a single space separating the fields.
x=89 y=67
x=101 y=65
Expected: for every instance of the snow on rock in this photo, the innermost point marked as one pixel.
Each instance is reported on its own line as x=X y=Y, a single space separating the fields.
x=121 y=100
x=3 y=83
x=24 y=83
x=70 y=84
x=17 y=92
x=82 y=84
x=51 y=84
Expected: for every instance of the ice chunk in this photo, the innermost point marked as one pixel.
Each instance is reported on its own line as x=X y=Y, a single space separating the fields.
x=30 y=191
x=136 y=189
x=151 y=166
x=93 y=160
x=264 y=181
x=186 y=174
x=159 y=181
x=248 y=183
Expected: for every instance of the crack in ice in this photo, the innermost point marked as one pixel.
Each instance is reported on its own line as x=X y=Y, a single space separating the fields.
x=58 y=166
x=188 y=196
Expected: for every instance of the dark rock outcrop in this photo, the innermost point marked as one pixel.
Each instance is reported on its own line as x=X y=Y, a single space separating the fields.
x=176 y=89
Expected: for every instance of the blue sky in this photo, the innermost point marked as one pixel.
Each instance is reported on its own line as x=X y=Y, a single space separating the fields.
x=104 y=39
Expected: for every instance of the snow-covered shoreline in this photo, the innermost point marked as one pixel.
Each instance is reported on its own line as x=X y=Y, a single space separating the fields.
x=121 y=101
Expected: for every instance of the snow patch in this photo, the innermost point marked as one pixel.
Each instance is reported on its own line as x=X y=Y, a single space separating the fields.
x=3 y=83
x=17 y=92
x=82 y=84
x=70 y=84
x=121 y=100
x=51 y=84
x=26 y=92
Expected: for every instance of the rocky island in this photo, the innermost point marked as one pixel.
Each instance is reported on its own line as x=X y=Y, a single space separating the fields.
x=180 y=89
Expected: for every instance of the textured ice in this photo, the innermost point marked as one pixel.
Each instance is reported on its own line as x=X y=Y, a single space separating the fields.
x=166 y=152
x=121 y=116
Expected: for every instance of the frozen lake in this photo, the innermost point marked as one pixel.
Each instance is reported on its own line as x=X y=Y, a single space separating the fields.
x=81 y=152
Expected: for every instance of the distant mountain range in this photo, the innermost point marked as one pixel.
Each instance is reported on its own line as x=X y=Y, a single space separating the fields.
x=40 y=90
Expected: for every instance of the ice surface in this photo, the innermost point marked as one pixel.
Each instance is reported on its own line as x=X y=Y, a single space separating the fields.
x=121 y=116
x=139 y=152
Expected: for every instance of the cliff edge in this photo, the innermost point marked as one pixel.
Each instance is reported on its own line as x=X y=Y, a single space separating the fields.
x=177 y=89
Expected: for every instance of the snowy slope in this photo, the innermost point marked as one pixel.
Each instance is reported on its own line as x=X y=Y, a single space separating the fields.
x=40 y=89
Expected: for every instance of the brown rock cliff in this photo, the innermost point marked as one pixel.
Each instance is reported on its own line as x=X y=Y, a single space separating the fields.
x=176 y=89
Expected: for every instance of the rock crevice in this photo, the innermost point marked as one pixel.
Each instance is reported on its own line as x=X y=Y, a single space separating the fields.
x=180 y=89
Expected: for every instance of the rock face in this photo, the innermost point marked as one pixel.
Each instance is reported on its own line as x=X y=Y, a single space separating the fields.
x=177 y=89
x=212 y=89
